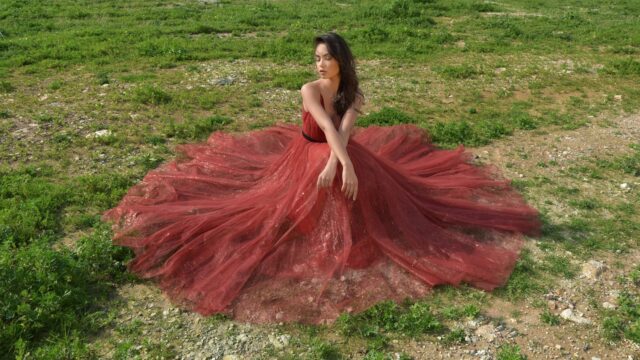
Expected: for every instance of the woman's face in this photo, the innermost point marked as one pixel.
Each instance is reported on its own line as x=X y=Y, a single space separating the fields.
x=326 y=65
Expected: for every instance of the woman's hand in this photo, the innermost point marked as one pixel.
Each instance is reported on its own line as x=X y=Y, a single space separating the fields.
x=349 y=182
x=325 y=179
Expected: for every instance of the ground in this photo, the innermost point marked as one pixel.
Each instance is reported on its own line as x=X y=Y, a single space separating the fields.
x=500 y=322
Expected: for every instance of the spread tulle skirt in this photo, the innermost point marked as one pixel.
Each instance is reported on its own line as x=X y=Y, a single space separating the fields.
x=238 y=226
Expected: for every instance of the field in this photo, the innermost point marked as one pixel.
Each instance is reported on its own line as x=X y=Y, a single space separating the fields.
x=93 y=94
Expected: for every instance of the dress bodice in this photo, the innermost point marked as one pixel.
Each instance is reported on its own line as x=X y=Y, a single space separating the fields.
x=310 y=127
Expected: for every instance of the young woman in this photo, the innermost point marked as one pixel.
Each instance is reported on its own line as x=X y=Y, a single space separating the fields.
x=303 y=223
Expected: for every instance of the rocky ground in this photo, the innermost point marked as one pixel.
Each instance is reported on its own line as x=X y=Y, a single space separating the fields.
x=160 y=329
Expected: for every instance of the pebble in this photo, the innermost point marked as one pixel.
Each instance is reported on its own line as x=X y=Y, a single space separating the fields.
x=568 y=314
x=593 y=269
x=225 y=81
x=99 y=133
x=487 y=332
x=608 y=305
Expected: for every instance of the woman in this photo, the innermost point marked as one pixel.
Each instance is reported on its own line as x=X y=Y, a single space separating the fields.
x=258 y=225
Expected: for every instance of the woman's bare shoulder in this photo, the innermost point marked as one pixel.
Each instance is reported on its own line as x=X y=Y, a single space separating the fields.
x=311 y=87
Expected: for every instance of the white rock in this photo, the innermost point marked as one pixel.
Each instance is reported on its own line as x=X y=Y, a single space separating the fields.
x=242 y=337
x=593 y=269
x=568 y=314
x=617 y=97
x=99 y=133
x=624 y=186
x=280 y=341
x=486 y=332
x=608 y=305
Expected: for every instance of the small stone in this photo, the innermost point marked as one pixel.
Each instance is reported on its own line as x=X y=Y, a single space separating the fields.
x=99 y=133
x=624 y=186
x=279 y=342
x=593 y=269
x=242 y=338
x=558 y=347
x=608 y=305
x=486 y=332
x=568 y=314
x=473 y=324
x=225 y=81
x=617 y=97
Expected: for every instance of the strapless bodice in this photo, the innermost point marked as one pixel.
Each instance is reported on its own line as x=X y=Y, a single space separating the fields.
x=310 y=127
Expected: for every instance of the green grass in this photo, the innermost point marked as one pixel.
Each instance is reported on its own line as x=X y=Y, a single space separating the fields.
x=150 y=74
x=510 y=352
x=624 y=321
x=549 y=318
x=51 y=297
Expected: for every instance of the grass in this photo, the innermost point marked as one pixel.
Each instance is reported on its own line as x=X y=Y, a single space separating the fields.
x=624 y=321
x=469 y=72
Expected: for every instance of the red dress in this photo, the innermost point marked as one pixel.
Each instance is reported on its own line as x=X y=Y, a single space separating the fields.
x=237 y=225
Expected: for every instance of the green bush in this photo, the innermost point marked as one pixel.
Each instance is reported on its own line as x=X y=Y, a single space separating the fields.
x=30 y=205
x=48 y=293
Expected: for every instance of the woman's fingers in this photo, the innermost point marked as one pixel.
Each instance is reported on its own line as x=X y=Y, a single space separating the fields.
x=350 y=190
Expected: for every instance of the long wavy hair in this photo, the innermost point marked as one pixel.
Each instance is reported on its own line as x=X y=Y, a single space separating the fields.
x=348 y=88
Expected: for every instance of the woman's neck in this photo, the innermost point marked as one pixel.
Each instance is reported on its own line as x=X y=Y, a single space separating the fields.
x=332 y=84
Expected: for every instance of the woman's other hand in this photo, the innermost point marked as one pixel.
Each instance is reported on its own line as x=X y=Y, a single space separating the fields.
x=325 y=179
x=349 y=182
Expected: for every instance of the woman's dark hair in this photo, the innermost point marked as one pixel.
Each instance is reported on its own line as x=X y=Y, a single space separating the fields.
x=348 y=88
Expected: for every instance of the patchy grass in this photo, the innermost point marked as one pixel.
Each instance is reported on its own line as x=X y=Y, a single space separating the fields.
x=469 y=72
x=624 y=321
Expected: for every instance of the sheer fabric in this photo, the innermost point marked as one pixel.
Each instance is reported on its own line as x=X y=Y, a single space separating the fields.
x=237 y=225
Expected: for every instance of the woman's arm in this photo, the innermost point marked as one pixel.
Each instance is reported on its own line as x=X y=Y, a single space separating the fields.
x=334 y=139
x=346 y=126
x=310 y=100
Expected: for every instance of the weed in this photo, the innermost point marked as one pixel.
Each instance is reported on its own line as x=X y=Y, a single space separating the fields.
x=150 y=95
x=386 y=116
x=321 y=350
x=522 y=281
x=456 y=336
x=549 y=318
x=195 y=129
x=510 y=352
x=6 y=87
x=458 y=72
x=558 y=265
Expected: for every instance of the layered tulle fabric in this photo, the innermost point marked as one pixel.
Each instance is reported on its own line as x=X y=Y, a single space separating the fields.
x=237 y=225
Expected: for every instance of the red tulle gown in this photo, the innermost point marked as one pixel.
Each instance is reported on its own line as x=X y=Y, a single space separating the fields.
x=238 y=226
